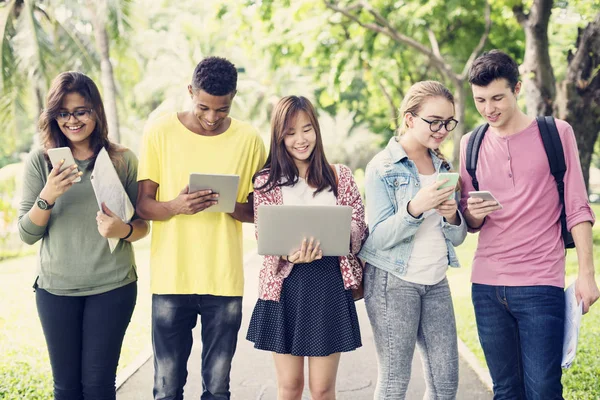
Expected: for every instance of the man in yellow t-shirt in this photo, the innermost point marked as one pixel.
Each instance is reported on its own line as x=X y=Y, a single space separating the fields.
x=196 y=256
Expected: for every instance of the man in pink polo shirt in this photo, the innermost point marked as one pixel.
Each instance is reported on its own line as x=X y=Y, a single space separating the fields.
x=519 y=266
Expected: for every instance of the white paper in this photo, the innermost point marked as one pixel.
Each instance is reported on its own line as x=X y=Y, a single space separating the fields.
x=573 y=312
x=110 y=191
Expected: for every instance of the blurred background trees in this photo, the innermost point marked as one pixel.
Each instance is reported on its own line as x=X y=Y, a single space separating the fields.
x=355 y=59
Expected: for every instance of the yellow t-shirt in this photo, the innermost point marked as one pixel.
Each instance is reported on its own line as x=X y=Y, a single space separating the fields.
x=201 y=253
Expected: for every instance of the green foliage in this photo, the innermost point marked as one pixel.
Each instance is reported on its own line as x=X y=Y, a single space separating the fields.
x=21 y=380
x=365 y=72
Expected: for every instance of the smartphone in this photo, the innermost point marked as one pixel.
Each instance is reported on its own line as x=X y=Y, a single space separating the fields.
x=452 y=181
x=485 y=195
x=62 y=153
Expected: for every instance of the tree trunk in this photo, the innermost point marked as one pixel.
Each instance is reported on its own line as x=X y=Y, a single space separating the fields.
x=460 y=98
x=579 y=94
x=38 y=104
x=100 y=14
x=536 y=71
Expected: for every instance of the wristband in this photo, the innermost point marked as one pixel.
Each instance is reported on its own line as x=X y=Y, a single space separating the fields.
x=130 y=231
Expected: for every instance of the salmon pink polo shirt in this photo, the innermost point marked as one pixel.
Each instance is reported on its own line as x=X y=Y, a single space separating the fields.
x=521 y=244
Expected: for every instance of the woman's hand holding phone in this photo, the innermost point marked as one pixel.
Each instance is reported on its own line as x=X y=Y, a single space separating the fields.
x=59 y=182
x=448 y=210
x=308 y=253
x=428 y=198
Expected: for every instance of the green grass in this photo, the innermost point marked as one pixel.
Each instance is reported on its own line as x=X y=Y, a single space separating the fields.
x=581 y=381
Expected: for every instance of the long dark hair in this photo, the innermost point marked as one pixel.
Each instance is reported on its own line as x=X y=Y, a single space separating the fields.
x=281 y=165
x=50 y=134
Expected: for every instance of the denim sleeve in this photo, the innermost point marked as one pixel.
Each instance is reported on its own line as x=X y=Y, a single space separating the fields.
x=387 y=227
x=455 y=233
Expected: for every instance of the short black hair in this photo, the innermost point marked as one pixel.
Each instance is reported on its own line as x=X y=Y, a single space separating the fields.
x=493 y=65
x=216 y=76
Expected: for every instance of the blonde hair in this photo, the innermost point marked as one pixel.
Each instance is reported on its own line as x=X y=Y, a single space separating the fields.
x=412 y=103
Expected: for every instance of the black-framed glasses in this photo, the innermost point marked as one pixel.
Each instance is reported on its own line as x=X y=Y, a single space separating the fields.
x=436 y=124
x=82 y=115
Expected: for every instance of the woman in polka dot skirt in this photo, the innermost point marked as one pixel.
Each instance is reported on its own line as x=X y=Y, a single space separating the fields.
x=305 y=306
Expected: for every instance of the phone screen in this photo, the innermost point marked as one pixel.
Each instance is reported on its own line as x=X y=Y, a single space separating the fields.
x=485 y=195
x=452 y=181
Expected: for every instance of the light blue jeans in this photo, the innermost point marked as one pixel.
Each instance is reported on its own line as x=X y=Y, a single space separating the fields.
x=403 y=314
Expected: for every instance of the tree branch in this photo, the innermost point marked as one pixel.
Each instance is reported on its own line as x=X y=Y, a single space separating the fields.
x=390 y=104
x=434 y=43
x=346 y=12
x=482 y=40
x=577 y=70
x=520 y=14
x=385 y=28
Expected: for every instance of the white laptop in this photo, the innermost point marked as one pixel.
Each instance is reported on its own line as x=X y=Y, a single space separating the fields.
x=282 y=228
x=225 y=185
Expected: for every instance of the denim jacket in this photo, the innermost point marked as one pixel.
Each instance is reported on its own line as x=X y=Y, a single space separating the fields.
x=391 y=181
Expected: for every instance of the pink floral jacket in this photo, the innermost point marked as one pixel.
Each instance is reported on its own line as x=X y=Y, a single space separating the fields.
x=275 y=269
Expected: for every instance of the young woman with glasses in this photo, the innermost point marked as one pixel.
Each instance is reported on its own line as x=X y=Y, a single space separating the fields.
x=413 y=231
x=85 y=294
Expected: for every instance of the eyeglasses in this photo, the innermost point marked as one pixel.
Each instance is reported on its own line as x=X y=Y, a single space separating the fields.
x=81 y=115
x=436 y=124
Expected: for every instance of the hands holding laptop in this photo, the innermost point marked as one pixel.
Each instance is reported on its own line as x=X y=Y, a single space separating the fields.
x=192 y=203
x=308 y=252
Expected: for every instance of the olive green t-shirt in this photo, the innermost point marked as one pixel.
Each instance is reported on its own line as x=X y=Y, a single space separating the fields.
x=74 y=259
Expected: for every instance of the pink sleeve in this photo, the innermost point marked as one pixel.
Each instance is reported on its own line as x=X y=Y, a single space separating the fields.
x=576 y=200
x=466 y=184
x=277 y=265
x=359 y=226
x=259 y=198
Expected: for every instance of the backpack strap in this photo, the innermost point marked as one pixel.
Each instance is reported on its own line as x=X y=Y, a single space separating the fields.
x=473 y=152
x=558 y=167
x=553 y=146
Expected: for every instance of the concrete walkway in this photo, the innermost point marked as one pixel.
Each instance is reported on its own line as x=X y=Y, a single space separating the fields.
x=253 y=374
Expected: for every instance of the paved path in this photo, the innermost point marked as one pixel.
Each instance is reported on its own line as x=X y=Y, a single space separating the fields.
x=253 y=373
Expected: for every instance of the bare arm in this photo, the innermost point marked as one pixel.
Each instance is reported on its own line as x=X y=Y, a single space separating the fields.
x=586 y=288
x=472 y=222
x=148 y=208
x=477 y=210
x=58 y=183
x=244 y=212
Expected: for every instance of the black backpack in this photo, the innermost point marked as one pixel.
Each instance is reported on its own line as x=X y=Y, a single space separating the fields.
x=556 y=159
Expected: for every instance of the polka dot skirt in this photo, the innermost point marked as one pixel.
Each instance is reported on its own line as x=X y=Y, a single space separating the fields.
x=315 y=316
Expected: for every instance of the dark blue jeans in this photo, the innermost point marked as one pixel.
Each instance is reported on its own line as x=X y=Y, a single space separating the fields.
x=521 y=330
x=173 y=318
x=84 y=337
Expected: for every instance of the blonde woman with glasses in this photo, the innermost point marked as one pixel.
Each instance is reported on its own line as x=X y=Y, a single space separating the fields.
x=413 y=230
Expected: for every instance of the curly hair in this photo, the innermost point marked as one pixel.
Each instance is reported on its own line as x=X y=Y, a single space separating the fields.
x=216 y=76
